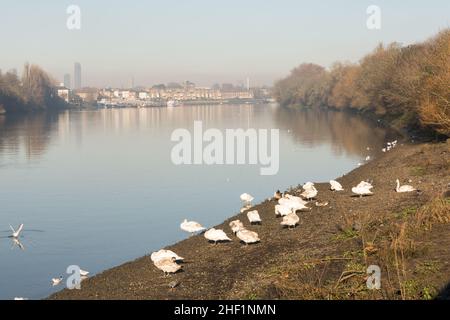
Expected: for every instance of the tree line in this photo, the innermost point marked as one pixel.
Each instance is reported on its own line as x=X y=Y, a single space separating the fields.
x=408 y=86
x=35 y=90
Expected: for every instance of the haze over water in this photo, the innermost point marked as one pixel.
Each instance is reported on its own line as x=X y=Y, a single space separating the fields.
x=98 y=188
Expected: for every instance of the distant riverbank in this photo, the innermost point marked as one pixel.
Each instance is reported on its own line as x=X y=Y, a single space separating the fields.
x=327 y=255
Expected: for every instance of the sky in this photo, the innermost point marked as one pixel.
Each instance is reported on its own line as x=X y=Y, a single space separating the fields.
x=203 y=41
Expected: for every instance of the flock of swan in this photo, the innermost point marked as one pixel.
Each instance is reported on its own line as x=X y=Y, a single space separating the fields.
x=287 y=207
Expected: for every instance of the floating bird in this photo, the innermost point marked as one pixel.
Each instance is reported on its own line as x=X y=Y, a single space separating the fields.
x=56 y=281
x=164 y=254
x=247 y=236
x=310 y=193
x=15 y=233
x=167 y=265
x=321 y=204
x=236 y=225
x=216 y=235
x=253 y=217
x=405 y=188
x=281 y=210
x=336 y=186
x=291 y=220
x=246 y=198
x=191 y=227
x=277 y=195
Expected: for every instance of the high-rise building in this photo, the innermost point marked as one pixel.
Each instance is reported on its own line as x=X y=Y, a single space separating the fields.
x=67 y=82
x=77 y=76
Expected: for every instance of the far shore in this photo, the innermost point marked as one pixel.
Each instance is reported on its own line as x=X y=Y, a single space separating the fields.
x=327 y=255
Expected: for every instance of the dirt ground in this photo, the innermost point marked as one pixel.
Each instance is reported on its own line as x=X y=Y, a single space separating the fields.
x=327 y=255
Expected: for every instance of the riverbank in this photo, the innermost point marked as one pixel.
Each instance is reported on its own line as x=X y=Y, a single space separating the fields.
x=327 y=255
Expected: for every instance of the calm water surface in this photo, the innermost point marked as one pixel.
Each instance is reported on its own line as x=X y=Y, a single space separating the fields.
x=98 y=188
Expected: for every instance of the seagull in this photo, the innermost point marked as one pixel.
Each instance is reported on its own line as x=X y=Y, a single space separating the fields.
x=247 y=198
x=336 y=186
x=167 y=265
x=405 y=188
x=56 y=281
x=164 y=254
x=247 y=236
x=216 y=235
x=191 y=226
x=84 y=273
x=253 y=217
x=236 y=225
x=15 y=233
x=290 y=220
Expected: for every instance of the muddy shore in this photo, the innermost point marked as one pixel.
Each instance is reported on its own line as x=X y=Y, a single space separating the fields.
x=327 y=255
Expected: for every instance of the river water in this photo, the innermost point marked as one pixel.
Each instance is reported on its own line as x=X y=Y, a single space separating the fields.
x=99 y=188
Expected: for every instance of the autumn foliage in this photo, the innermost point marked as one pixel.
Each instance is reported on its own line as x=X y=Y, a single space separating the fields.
x=409 y=86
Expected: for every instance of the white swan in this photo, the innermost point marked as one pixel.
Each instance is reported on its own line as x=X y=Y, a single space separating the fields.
x=216 y=235
x=310 y=193
x=167 y=265
x=308 y=185
x=247 y=236
x=336 y=186
x=253 y=217
x=56 y=281
x=247 y=198
x=405 y=188
x=191 y=226
x=15 y=233
x=291 y=220
x=294 y=204
x=164 y=254
x=236 y=225
x=363 y=189
x=281 y=210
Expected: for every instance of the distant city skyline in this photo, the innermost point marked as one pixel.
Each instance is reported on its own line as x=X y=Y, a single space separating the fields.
x=77 y=84
x=204 y=41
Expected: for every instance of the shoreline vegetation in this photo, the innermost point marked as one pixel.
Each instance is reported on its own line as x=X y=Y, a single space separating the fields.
x=328 y=254
x=407 y=87
x=34 y=91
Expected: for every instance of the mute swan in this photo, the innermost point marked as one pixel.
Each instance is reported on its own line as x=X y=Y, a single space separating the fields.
x=363 y=189
x=191 y=227
x=310 y=193
x=291 y=220
x=247 y=236
x=167 y=265
x=308 y=185
x=236 y=225
x=253 y=217
x=15 y=233
x=216 y=235
x=56 y=281
x=246 y=198
x=281 y=210
x=405 y=188
x=163 y=254
x=336 y=186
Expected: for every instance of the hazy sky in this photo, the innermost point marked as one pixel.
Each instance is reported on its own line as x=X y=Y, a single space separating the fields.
x=203 y=41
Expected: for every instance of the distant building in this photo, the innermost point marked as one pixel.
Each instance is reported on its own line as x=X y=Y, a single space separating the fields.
x=67 y=81
x=77 y=76
x=88 y=94
x=63 y=92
